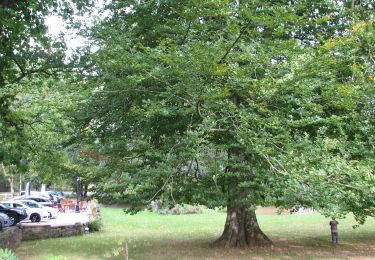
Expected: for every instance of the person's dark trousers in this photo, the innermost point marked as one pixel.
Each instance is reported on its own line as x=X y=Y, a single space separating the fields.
x=335 y=237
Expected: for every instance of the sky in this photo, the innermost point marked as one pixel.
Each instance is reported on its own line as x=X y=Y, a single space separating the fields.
x=73 y=40
x=56 y=27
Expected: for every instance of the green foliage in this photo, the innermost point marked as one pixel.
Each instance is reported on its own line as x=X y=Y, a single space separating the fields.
x=71 y=196
x=216 y=103
x=37 y=89
x=95 y=225
x=269 y=101
x=7 y=254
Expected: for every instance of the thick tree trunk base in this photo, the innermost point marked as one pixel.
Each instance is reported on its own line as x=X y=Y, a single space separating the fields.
x=242 y=230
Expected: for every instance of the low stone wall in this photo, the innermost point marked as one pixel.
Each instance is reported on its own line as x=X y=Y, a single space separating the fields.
x=10 y=237
x=47 y=231
x=68 y=224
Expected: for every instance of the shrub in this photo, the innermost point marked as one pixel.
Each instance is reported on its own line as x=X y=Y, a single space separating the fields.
x=192 y=209
x=154 y=206
x=180 y=209
x=95 y=225
x=71 y=196
x=7 y=254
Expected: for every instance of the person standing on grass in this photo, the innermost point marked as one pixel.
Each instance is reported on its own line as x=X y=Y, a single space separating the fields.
x=333 y=223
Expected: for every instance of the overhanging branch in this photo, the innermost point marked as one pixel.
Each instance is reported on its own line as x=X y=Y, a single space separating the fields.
x=242 y=31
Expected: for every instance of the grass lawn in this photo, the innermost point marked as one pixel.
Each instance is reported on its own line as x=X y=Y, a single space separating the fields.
x=153 y=236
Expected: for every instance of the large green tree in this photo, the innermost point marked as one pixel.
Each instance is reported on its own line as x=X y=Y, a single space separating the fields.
x=235 y=104
x=37 y=86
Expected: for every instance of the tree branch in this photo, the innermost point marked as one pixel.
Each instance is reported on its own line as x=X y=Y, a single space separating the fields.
x=273 y=166
x=186 y=33
x=162 y=188
x=25 y=74
x=235 y=42
x=144 y=90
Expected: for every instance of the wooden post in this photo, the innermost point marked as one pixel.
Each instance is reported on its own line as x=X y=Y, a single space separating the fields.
x=126 y=254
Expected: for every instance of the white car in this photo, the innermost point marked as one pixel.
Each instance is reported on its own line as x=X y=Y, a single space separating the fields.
x=40 y=199
x=35 y=214
x=46 y=194
x=52 y=212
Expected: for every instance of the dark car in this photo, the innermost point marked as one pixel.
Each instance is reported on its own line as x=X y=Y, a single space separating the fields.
x=15 y=215
x=4 y=221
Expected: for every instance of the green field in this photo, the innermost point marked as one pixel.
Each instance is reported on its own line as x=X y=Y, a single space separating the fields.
x=153 y=236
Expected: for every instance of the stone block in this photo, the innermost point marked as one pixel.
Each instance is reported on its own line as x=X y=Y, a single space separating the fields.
x=10 y=237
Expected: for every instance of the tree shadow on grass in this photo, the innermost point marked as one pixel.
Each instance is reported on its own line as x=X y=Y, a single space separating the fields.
x=307 y=248
x=361 y=245
x=356 y=247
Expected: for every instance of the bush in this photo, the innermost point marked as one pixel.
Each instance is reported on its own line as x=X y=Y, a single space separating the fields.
x=154 y=206
x=95 y=225
x=179 y=209
x=192 y=209
x=70 y=196
x=7 y=254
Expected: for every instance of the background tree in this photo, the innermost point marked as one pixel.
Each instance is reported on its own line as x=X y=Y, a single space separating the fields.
x=37 y=87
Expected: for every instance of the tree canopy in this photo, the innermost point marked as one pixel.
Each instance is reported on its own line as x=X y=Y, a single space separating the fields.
x=236 y=104
x=223 y=103
x=38 y=88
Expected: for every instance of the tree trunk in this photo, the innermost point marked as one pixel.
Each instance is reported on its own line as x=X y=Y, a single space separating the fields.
x=9 y=177
x=20 y=185
x=241 y=227
x=11 y=183
x=85 y=189
x=242 y=230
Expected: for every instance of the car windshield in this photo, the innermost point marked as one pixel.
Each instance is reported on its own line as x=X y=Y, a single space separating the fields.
x=16 y=205
x=38 y=199
x=4 y=206
x=32 y=205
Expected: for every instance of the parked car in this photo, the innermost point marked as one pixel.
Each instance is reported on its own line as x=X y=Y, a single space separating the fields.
x=35 y=214
x=52 y=212
x=40 y=199
x=4 y=221
x=58 y=194
x=46 y=194
x=15 y=215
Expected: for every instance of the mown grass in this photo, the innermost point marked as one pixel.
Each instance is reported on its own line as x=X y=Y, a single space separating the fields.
x=152 y=236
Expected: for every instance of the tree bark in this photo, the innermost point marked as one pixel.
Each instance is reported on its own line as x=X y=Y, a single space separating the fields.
x=85 y=189
x=11 y=184
x=242 y=230
x=20 y=185
x=9 y=177
x=241 y=227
